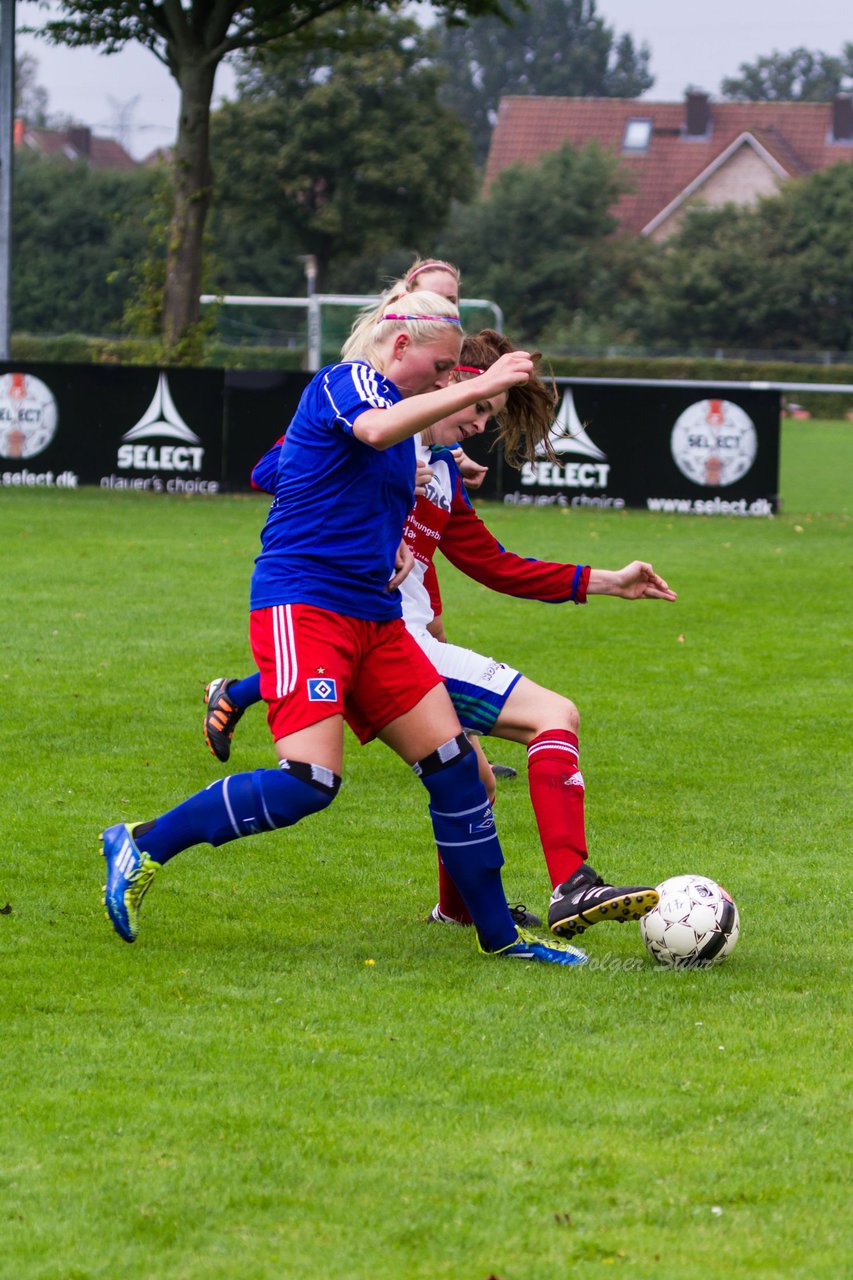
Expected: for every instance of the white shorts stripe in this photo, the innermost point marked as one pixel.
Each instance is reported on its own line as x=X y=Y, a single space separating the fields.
x=286 y=666
x=276 y=639
x=291 y=648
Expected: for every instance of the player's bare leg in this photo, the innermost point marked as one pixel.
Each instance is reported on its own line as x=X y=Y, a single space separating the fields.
x=547 y=724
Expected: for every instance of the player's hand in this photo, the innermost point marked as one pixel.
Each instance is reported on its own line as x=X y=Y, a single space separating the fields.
x=404 y=563
x=473 y=473
x=423 y=475
x=512 y=369
x=637 y=581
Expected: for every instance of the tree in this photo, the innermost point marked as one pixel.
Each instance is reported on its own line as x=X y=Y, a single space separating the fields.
x=555 y=47
x=798 y=76
x=30 y=96
x=542 y=241
x=191 y=38
x=342 y=152
x=777 y=277
x=77 y=231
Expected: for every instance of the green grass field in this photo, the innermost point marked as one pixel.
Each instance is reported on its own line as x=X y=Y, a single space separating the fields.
x=290 y=1076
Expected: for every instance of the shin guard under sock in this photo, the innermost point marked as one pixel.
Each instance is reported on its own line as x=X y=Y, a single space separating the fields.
x=465 y=835
x=242 y=804
x=557 y=794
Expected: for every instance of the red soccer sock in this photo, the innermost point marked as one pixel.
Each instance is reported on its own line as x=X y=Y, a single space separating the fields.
x=556 y=791
x=450 y=900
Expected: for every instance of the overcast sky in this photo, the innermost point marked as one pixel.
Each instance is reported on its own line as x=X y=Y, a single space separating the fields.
x=696 y=43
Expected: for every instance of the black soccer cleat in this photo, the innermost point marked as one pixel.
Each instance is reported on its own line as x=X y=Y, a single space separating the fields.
x=520 y=915
x=504 y=771
x=220 y=718
x=584 y=899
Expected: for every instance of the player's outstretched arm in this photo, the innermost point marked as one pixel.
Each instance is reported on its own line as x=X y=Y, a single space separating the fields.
x=637 y=581
x=380 y=428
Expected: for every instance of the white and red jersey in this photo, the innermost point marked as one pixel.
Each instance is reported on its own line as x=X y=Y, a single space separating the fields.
x=444 y=519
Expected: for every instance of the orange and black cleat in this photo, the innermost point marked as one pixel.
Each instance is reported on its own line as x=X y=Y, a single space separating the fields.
x=220 y=718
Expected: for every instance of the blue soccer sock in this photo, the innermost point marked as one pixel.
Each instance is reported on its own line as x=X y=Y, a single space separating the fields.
x=243 y=804
x=246 y=692
x=467 y=841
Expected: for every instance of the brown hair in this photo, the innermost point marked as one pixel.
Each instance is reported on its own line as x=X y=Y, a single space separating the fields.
x=526 y=421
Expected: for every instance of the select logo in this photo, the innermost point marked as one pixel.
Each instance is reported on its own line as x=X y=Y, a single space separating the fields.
x=568 y=439
x=28 y=416
x=161 y=419
x=714 y=442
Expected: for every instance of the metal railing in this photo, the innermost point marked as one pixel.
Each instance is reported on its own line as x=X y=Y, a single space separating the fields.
x=313 y=305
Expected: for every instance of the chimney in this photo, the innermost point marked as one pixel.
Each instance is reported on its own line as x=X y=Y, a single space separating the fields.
x=842 y=118
x=698 y=114
x=18 y=133
x=80 y=138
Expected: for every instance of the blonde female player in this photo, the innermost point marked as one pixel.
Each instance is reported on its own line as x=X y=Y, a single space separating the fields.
x=328 y=635
x=491 y=697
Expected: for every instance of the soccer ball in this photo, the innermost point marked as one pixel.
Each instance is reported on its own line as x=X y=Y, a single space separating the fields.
x=694 y=924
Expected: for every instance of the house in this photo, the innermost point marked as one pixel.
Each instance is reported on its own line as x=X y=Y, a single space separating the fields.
x=679 y=154
x=75 y=143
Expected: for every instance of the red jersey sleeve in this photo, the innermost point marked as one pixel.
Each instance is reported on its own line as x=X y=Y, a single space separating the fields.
x=431 y=584
x=471 y=548
x=264 y=471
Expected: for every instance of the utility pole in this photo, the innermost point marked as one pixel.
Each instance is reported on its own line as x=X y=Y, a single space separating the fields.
x=7 y=125
x=309 y=261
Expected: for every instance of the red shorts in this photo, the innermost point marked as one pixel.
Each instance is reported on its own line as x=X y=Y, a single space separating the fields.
x=315 y=664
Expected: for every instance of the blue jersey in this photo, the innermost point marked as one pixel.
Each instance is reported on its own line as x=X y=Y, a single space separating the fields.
x=337 y=518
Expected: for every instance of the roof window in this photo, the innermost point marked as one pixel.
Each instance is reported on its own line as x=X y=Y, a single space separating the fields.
x=638 y=134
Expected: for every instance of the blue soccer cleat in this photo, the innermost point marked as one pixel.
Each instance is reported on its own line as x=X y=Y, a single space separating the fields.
x=129 y=876
x=528 y=946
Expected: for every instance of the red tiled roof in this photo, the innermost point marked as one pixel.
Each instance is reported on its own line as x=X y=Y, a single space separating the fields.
x=74 y=144
x=796 y=134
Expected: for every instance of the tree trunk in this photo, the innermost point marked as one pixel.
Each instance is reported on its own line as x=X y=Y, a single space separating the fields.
x=193 y=190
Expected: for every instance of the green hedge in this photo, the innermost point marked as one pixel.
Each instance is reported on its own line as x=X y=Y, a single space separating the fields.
x=79 y=349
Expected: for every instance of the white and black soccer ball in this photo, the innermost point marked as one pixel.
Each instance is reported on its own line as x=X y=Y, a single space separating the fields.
x=694 y=924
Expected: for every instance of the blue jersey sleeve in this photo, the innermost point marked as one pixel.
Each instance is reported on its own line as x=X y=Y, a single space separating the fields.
x=352 y=389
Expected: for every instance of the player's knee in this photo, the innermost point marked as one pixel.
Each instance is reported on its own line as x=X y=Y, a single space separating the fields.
x=293 y=791
x=456 y=754
x=461 y=815
x=560 y=713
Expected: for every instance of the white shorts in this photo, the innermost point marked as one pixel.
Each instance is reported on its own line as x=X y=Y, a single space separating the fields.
x=478 y=686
